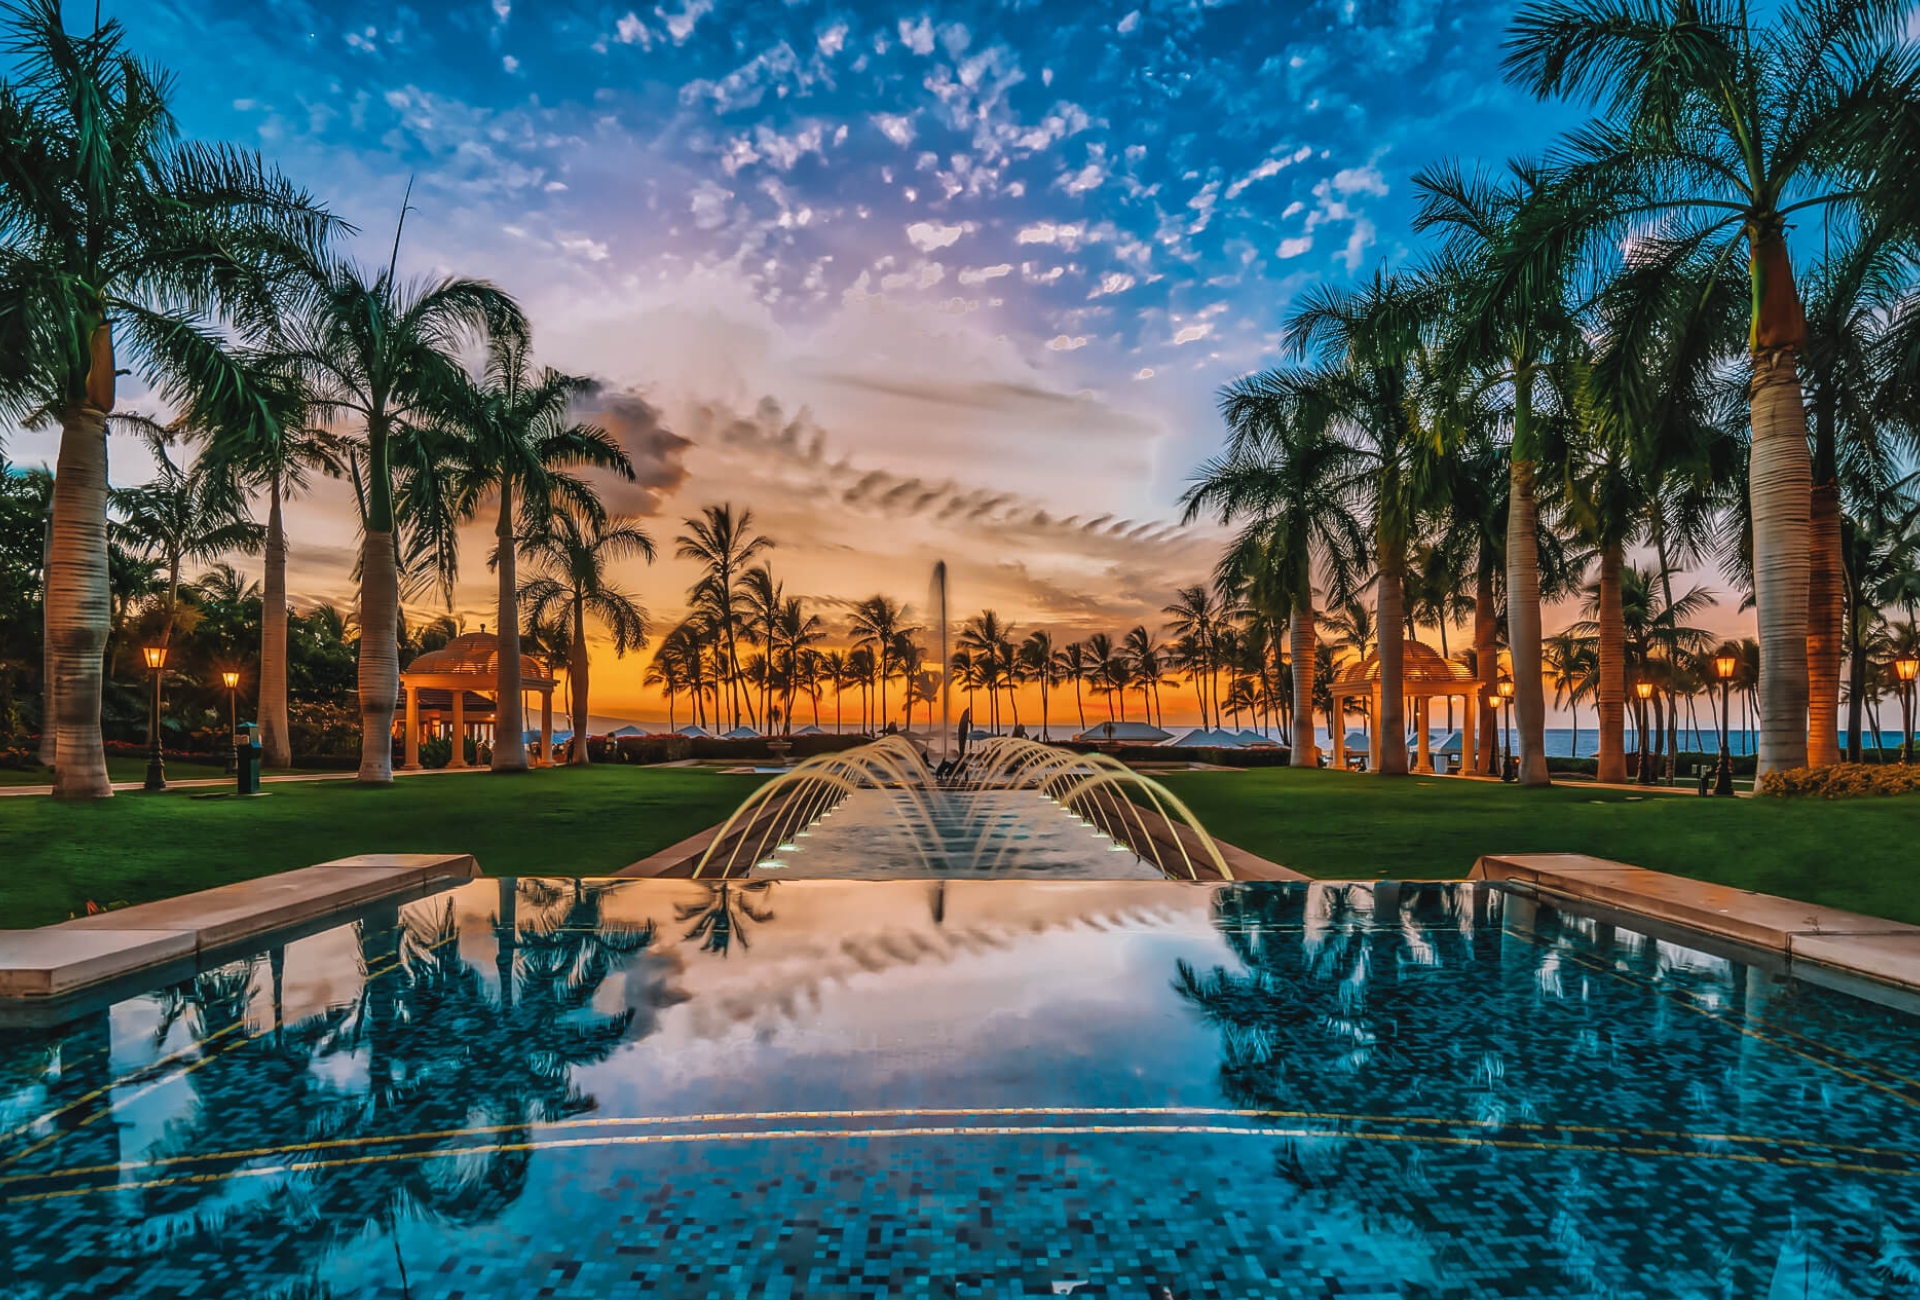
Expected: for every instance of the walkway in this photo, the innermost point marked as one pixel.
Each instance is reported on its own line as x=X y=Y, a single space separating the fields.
x=227 y=782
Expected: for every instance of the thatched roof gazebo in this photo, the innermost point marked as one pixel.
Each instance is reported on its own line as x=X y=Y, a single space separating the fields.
x=460 y=685
x=1426 y=676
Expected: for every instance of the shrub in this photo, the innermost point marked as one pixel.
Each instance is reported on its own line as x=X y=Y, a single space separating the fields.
x=1841 y=781
x=437 y=751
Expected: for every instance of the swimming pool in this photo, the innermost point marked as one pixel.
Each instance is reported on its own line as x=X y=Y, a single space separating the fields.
x=966 y=1087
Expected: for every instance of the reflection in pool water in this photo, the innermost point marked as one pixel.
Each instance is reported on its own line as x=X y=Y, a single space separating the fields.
x=590 y=1088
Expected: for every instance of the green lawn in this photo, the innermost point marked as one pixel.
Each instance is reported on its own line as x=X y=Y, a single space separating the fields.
x=1861 y=854
x=137 y=847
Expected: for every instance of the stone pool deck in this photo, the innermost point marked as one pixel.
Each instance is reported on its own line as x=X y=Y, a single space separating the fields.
x=56 y=960
x=1804 y=934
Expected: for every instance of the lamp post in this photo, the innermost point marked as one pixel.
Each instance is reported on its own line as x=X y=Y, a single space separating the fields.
x=232 y=679
x=1723 y=668
x=1644 y=690
x=1507 y=772
x=156 y=656
x=1906 y=668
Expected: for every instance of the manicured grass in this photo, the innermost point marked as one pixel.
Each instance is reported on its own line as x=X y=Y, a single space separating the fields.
x=138 y=847
x=1860 y=854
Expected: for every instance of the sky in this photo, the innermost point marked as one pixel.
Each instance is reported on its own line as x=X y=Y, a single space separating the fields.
x=910 y=282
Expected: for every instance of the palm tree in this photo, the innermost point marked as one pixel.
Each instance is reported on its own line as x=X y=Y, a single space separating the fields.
x=516 y=437
x=878 y=624
x=183 y=514
x=834 y=671
x=1195 y=618
x=761 y=598
x=794 y=632
x=120 y=243
x=860 y=666
x=1099 y=649
x=1364 y=388
x=1040 y=663
x=572 y=562
x=381 y=353
x=1569 y=660
x=1291 y=489
x=724 y=545
x=1498 y=338
x=1145 y=657
x=1074 y=665
x=1718 y=127
x=990 y=642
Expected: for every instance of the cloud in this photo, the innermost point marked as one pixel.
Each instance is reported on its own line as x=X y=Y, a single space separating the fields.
x=1111 y=283
x=1128 y=24
x=917 y=36
x=510 y=64
x=1193 y=333
x=709 y=205
x=1269 y=167
x=681 y=25
x=580 y=246
x=1294 y=247
x=980 y=275
x=897 y=127
x=657 y=452
x=631 y=31
x=1064 y=343
x=1360 y=180
x=1088 y=177
x=832 y=40
x=1045 y=232
x=927 y=236
x=1144 y=372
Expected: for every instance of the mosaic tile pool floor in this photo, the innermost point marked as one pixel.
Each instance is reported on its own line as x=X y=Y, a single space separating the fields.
x=971 y=1088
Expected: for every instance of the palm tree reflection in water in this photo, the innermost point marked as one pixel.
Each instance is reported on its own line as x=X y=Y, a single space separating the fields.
x=720 y=918
x=426 y=1058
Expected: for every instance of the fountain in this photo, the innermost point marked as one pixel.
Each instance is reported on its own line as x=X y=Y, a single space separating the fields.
x=1019 y=808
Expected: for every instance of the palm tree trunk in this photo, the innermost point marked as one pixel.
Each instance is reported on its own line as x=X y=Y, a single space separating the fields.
x=379 y=668
x=509 y=727
x=1389 y=616
x=49 y=704
x=1306 y=750
x=1079 y=705
x=1824 y=621
x=1780 y=484
x=275 y=738
x=1856 y=690
x=577 y=683
x=1486 y=659
x=1523 y=623
x=77 y=606
x=1612 y=664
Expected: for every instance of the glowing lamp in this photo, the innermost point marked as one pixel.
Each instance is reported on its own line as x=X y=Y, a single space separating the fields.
x=156 y=656
x=1643 y=689
x=1907 y=667
x=1505 y=688
x=231 y=678
x=1724 y=666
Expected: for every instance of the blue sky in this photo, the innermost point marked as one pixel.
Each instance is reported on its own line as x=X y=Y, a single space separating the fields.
x=912 y=281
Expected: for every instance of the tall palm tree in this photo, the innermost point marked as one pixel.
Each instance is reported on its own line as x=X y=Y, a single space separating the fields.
x=1498 y=338
x=1146 y=657
x=761 y=597
x=1291 y=489
x=1195 y=618
x=1569 y=661
x=572 y=562
x=989 y=641
x=1363 y=387
x=381 y=353
x=878 y=624
x=834 y=671
x=724 y=545
x=120 y=243
x=1074 y=665
x=1100 y=654
x=1720 y=126
x=793 y=633
x=516 y=438
x=1040 y=663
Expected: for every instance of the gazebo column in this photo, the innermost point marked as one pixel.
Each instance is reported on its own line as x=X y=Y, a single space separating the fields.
x=1424 y=759
x=459 y=756
x=546 y=727
x=1469 y=749
x=1337 y=732
x=411 y=763
x=1374 y=738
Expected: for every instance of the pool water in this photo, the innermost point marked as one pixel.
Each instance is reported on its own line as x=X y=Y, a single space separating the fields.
x=966 y=1088
x=886 y=834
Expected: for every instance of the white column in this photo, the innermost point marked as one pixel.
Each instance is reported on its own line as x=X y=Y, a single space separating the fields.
x=459 y=758
x=546 y=727
x=1424 y=758
x=411 y=763
x=1337 y=731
